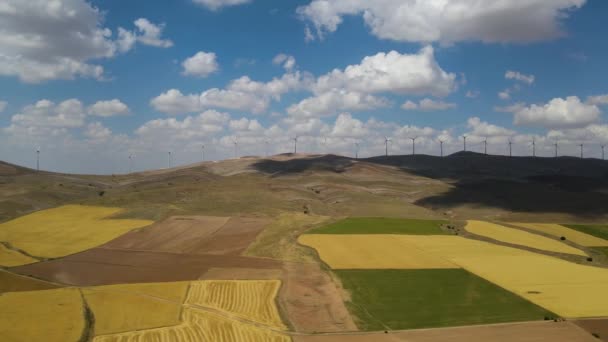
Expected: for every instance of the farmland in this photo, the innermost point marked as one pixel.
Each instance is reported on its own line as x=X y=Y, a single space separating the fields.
x=380 y=225
x=519 y=237
x=65 y=230
x=588 y=236
x=435 y=298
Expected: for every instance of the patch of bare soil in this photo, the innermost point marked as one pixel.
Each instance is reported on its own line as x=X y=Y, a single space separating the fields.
x=242 y=274
x=175 y=234
x=10 y=282
x=520 y=332
x=101 y=266
x=312 y=301
x=595 y=326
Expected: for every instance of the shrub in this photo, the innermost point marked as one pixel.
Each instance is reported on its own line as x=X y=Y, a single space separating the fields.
x=590 y=259
x=101 y=193
x=563 y=238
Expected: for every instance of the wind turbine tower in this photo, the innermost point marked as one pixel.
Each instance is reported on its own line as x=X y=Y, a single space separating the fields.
x=555 y=149
x=130 y=163
x=266 y=142
x=485 y=146
x=236 y=145
x=356 y=150
x=169 y=159
x=510 y=148
x=533 y=147
x=38 y=159
x=386 y=141
x=203 y=152
x=295 y=144
x=413 y=145
x=464 y=138
x=582 y=151
x=441 y=147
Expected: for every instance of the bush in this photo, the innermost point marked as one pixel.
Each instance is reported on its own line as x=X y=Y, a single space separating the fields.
x=590 y=259
x=563 y=238
x=101 y=193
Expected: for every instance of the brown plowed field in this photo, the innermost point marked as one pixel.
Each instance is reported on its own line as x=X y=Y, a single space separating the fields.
x=100 y=266
x=194 y=235
x=520 y=332
x=10 y=282
x=595 y=326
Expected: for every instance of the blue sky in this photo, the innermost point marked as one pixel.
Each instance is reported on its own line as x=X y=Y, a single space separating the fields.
x=92 y=99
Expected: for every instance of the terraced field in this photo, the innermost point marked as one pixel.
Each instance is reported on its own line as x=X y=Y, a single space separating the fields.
x=62 y=231
x=248 y=299
x=578 y=237
x=382 y=225
x=520 y=237
x=10 y=258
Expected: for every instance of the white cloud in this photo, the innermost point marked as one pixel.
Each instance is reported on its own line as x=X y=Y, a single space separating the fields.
x=447 y=21
x=236 y=100
x=47 y=40
x=599 y=100
x=511 y=108
x=558 y=113
x=286 y=61
x=483 y=129
x=428 y=105
x=174 y=102
x=245 y=126
x=109 y=108
x=191 y=127
x=516 y=75
x=334 y=101
x=150 y=34
x=97 y=131
x=3 y=105
x=505 y=94
x=215 y=5
x=347 y=126
x=45 y=113
x=202 y=64
x=392 y=72
x=472 y=94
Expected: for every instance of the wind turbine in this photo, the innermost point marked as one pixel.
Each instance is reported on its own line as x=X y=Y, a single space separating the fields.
x=295 y=145
x=441 y=146
x=386 y=141
x=130 y=163
x=533 y=147
x=236 y=144
x=356 y=150
x=582 y=150
x=555 y=148
x=414 y=145
x=485 y=146
x=510 y=148
x=38 y=158
x=169 y=159
x=203 y=153
x=266 y=142
x=464 y=138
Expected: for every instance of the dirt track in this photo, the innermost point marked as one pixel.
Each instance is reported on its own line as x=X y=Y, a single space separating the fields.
x=520 y=332
x=595 y=326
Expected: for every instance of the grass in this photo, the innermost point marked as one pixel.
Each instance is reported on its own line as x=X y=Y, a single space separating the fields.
x=410 y=299
x=600 y=231
x=603 y=250
x=382 y=225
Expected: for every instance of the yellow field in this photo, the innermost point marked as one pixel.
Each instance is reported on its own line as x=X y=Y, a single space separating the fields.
x=248 y=299
x=50 y=315
x=10 y=282
x=520 y=237
x=121 y=308
x=10 y=258
x=65 y=230
x=568 y=289
x=380 y=252
x=559 y=231
x=200 y=326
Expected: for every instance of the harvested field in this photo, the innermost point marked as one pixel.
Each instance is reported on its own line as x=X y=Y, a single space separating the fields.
x=598 y=327
x=10 y=282
x=10 y=258
x=312 y=300
x=248 y=299
x=241 y=274
x=50 y=315
x=597 y=230
x=101 y=266
x=382 y=225
x=65 y=230
x=200 y=326
x=176 y=234
x=122 y=308
x=570 y=234
x=410 y=299
x=371 y=252
x=520 y=237
x=520 y=332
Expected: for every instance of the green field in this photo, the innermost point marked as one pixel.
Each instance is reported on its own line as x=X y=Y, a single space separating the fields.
x=381 y=225
x=603 y=250
x=410 y=299
x=600 y=231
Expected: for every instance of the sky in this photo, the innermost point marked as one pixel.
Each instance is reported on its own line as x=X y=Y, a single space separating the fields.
x=113 y=86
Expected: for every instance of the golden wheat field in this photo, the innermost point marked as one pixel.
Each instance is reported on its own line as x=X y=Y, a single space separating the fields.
x=520 y=237
x=248 y=299
x=49 y=315
x=200 y=326
x=559 y=231
x=371 y=252
x=10 y=258
x=65 y=230
x=122 y=308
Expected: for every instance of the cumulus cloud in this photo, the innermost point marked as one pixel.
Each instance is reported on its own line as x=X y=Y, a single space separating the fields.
x=392 y=72
x=446 y=21
x=334 y=101
x=349 y=127
x=44 y=113
x=150 y=34
x=215 y=5
x=3 y=105
x=174 y=102
x=47 y=40
x=236 y=100
x=600 y=100
x=484 y=129
x=558 y=113
x=472 y=94
x=428 y=105
x=202 y=64
x=109 y=108
x=97 y=131
x=517 y=76
x=191 y=127
x=505 y=94
x=286 y=61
